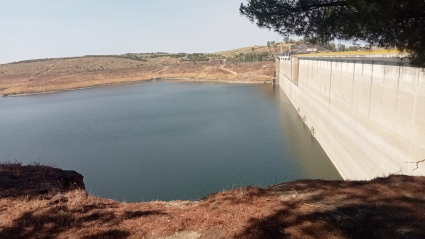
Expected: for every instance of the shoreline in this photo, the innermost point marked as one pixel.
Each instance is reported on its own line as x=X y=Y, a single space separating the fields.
x=134 y=82
x=51 y=203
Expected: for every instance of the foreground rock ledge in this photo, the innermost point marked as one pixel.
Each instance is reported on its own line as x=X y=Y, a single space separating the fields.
x=391 y=207
x=36 y=179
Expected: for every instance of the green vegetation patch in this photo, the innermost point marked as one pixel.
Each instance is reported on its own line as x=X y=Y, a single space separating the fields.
x=125 y=56
x=250 y=57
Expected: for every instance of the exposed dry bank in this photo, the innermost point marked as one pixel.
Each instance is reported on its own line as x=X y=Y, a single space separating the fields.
x=392 y=207
x=74 y=73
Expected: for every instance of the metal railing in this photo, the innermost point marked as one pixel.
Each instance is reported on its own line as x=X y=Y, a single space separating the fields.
x=284 y=56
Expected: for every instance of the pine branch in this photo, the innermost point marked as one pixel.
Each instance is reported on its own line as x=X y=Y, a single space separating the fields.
x=317 y=6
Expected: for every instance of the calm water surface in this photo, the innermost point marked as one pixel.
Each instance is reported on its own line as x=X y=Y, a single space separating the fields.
x=164 y=140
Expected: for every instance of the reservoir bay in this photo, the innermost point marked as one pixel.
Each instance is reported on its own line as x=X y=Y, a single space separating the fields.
x=165 y=140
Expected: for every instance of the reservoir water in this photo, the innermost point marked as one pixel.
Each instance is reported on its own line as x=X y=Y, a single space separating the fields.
x=164 y=140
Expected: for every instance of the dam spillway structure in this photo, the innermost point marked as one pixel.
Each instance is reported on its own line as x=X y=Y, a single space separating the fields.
x=367 y=109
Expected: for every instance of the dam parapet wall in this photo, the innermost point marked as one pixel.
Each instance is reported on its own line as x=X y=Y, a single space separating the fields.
x=367 y=112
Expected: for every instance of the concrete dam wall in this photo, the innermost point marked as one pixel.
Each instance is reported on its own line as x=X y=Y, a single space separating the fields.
x=368 y=113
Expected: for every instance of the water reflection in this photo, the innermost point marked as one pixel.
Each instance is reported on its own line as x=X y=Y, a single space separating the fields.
x=310 y=155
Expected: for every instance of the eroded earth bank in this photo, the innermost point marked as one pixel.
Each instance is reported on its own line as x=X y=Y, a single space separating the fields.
x=38 y=201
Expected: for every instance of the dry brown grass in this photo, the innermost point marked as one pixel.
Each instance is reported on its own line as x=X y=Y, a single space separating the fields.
x=392 y=207
x=256 y=49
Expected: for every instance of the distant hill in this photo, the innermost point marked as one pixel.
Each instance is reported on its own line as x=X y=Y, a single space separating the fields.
x=252 y=64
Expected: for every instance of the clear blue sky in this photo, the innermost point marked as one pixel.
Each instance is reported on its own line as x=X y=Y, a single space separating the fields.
x=31 y=29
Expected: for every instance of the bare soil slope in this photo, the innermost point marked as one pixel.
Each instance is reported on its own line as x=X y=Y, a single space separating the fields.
x=82 y=72
x=391 y=207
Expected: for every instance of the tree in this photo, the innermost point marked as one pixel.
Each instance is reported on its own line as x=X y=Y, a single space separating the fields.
x=386 y=23
x=341 y=47
x=286 y=39
x=328 y=45
x=332 y=46
x=352 y=48
x=268 y=44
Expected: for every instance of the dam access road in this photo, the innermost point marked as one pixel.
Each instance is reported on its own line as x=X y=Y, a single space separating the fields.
x=365 y=108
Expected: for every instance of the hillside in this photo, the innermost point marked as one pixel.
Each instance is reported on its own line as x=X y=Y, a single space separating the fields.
x=47 y=75
x=34 y=205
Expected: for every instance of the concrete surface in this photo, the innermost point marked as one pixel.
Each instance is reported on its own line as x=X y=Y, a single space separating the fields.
x=368 y=114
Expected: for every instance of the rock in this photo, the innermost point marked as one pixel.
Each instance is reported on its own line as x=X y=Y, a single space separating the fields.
x=33 y=180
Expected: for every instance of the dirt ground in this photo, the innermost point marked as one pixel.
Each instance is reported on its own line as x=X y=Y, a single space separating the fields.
x=74 y=73
x=391 y=207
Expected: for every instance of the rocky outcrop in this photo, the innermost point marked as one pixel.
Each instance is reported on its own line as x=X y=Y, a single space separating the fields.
x=36 y=179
